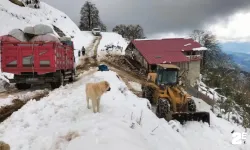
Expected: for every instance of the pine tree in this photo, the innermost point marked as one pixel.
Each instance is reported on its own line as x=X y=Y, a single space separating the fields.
x=90 y=18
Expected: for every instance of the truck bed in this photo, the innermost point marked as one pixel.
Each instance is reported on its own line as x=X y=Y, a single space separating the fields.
x=38 y=57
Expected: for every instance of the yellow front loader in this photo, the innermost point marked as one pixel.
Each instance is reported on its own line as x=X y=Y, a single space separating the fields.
x=173 y=102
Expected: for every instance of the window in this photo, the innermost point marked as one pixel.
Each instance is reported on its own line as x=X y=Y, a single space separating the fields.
x=167 y=76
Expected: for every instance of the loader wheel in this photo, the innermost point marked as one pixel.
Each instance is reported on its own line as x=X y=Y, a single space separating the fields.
x=22 y=86
x=148 y=94
x=191 y=106
x=163 y=109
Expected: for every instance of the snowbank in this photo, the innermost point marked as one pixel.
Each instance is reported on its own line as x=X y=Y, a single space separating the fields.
x=136 y=86
x=62 y=121
x=23 y=96
x=112 y=43
x=13 y=16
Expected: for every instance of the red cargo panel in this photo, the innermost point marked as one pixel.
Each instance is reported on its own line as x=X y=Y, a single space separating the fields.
x=18 y=57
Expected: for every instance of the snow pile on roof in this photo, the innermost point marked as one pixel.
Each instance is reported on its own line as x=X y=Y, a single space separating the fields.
x=188 y=44
x=62 y=121
x=200 y=49
x=12 y=17
x=112 y=43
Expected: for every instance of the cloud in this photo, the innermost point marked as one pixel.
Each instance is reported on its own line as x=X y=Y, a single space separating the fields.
x=236 y=29
x=156 y=16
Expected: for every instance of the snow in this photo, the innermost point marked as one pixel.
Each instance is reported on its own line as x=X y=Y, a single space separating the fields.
x=200 y=49
x=187 y=44
x=62 y=121
x=110 y=39
x=210 y=92
x=148 y=39
x=23 y=96
x=136 y=86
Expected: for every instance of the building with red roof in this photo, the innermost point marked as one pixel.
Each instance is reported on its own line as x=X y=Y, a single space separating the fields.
x=185 y=53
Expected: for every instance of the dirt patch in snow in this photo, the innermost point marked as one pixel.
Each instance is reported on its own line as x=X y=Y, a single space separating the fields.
x=126 y=65
x=19 y=101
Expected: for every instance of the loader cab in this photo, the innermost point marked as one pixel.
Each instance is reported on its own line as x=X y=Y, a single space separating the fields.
x=167 y=74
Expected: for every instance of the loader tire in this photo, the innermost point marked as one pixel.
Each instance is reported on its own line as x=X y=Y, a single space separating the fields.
x=191 y=106
x=22 y=86
x=163 y=109
x=148 y=93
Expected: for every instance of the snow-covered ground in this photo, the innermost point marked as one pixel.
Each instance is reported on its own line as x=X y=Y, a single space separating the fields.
x=210 y=92
x=62 y=121
x=136 y=86
x=112 y=43
x=234 y=116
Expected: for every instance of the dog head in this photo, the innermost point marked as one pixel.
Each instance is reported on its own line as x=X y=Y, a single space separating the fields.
x=105 y=86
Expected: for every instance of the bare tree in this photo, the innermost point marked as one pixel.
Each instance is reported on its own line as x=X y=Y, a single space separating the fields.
x=213 y=57
x=130 y=32
x=90 y=18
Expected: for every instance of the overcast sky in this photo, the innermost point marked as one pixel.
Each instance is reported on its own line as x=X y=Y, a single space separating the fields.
x=160 y=16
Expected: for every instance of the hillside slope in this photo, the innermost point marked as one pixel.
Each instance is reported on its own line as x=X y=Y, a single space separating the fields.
x=62 y=121
x=242 y=59
x=112 y=43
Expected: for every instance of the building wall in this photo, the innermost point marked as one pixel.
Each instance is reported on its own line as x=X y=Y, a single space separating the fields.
x=194 y=72
x=133 y=53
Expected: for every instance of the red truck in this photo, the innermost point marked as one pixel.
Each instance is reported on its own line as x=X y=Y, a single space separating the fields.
x=38 y=63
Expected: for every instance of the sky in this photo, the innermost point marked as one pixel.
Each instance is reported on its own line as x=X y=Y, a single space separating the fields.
x=229 y=20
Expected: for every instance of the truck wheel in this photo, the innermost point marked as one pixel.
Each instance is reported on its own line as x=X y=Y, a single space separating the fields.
x=73 y=77
x=22 y=86
x=57 y=84
x=163 y=109
x=61 y=81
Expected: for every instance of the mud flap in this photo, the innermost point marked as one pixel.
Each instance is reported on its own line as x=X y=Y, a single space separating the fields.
x=183 y=117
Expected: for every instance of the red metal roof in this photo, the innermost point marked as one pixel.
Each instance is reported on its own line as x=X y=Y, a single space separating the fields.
x=165 y=50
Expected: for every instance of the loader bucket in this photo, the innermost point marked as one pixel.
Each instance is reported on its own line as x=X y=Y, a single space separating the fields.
x=183 y=117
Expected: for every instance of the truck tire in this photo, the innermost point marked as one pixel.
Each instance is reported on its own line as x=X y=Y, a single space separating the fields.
x=60 y=82
x=73 y=77
x=22 y=86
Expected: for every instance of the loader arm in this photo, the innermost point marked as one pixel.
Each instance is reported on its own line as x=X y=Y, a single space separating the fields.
x=177 y=97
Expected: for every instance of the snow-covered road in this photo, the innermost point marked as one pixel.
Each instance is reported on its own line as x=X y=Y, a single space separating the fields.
x=61 y=121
